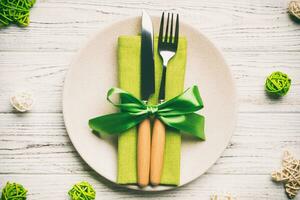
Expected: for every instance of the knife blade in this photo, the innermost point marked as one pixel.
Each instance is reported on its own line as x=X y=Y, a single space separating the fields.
x=147 y=89
x=147 y=61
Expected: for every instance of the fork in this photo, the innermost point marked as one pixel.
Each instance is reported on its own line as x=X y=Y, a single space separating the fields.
x=167 y=47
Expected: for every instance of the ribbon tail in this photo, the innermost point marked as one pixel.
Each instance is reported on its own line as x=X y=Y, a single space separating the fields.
x=116 y=123
x=191 y=123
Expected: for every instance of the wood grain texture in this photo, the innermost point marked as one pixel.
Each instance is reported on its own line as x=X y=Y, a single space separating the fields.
x=157 y=151
x=256 y=38
x=247 y=187
x=143 y=152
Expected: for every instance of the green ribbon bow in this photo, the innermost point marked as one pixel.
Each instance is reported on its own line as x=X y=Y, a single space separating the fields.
x=177 y=113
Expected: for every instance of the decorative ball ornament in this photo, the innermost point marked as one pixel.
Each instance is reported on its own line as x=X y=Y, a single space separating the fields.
x=294 y=9
x=278 y=84
x=15 y=11
x=13 y=191
x=82 y=191
x=22 y=101
x=289 y=175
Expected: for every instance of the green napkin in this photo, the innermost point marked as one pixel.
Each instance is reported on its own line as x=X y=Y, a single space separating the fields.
x=129 y=80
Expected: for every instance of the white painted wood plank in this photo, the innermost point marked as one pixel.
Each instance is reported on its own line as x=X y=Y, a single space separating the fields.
x=37 y=143
x=245 y=26
x=43 y=74
x=245 y=187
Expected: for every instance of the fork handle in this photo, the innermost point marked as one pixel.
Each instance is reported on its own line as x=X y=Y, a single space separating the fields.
x=163 y=83
x=143 y=154
x=157 y=151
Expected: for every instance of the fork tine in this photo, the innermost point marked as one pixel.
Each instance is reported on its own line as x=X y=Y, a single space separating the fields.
x=176 y=32
x=167 y=29
x=161 y=29
x=171 y=30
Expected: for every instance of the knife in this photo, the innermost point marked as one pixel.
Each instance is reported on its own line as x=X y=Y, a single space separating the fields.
x=147 y=89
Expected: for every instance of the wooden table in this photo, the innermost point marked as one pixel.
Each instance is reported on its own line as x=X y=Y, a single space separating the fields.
x=256 y=37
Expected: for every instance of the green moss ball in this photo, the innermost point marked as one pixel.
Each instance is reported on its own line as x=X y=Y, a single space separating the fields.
x=13 y=191
x=82 y=191
x=278 y=84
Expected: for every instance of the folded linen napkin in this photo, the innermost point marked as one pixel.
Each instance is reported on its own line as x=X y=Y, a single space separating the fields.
x=129 y=80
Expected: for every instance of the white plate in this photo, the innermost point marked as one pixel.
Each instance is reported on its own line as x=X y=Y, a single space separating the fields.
x=94 y=71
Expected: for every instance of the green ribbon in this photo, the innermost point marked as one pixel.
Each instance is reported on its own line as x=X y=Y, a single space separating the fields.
x=178 y=113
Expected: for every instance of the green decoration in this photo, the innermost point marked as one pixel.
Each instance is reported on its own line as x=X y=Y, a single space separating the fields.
x=13 y=191
x=178 y=113
x=82 y=191
x=278 y=84
x=15 y=11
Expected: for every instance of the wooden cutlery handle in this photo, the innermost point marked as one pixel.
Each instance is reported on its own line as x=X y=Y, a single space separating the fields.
x=143 y=154
x=157 y=151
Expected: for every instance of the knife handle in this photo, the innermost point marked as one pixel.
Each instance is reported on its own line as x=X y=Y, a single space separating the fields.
x=143 y=154
x=157 y=151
